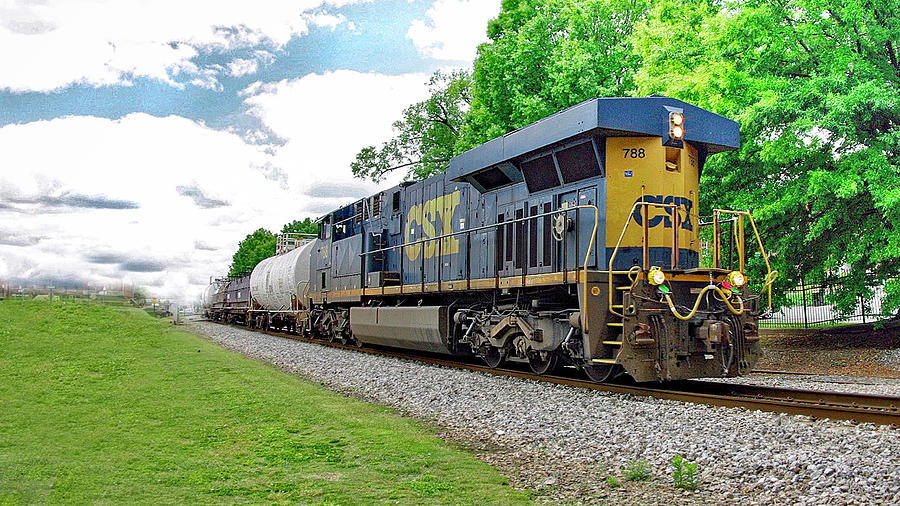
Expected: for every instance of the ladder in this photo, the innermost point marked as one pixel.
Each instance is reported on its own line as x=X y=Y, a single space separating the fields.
x=616 y=327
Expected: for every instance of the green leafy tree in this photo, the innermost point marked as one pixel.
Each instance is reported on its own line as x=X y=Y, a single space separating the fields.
x=307 y=226
x=544 y=56
x=425 y=136
x=255 y=248
x=816 y=87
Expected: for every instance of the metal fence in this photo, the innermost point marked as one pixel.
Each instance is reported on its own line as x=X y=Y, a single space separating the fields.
x=810 y=306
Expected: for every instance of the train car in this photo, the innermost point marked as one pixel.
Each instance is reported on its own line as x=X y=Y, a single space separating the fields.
x=572 y=241
x=228 y=300
x=280 y=284
x=208 y=298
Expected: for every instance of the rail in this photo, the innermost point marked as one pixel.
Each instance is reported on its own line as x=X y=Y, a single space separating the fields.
x=866 y=408
x=289 y=241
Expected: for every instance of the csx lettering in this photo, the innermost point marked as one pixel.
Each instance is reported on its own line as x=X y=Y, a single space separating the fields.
x=438 y=210
x=684 y=206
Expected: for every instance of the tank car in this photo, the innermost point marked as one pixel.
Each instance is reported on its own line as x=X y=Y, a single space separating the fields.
x=573 y=241
x=280 y=284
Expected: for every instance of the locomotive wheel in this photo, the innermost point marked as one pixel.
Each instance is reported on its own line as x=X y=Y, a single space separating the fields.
x=492 y=356
x=602 y=373
x=541 y=362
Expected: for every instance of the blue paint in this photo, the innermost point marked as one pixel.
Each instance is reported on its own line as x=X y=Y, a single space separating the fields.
x=629 y=173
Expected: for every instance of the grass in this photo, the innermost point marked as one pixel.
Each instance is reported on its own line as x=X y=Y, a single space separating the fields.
x=103 y=404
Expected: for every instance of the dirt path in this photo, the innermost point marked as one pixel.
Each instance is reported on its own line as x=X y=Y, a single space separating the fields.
x=857 y=351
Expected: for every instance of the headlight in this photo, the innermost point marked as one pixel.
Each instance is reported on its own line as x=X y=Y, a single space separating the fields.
x=677 y=131
x=656 y=277
x=677 y=119
x=737 y=279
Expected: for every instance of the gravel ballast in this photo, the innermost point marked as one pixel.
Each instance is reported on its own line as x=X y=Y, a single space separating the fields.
x=563 y=442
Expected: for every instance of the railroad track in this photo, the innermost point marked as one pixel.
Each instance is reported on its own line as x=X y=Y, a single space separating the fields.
x=865 y=408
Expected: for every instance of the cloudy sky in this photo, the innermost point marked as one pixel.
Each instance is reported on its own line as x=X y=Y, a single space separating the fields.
x=141 y=141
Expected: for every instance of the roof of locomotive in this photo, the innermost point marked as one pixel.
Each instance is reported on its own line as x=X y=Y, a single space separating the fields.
x=708 y=131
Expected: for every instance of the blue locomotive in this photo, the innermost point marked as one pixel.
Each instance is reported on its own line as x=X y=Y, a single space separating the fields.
x=574 y=241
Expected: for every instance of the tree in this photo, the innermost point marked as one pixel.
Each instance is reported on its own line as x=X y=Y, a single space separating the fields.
x=425 y=136
x=816 y=87
x=544 y=56
x=307 y=226
x=255 y=248
x=260 y=245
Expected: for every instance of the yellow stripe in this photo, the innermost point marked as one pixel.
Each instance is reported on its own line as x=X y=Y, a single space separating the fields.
x=545 y=279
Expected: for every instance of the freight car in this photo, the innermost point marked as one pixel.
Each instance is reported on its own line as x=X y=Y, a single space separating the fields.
x=573 y=241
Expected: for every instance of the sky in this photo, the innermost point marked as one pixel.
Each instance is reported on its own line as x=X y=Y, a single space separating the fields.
x=140 y=141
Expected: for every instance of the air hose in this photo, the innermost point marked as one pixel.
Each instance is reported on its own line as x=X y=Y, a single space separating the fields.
x=697 y=303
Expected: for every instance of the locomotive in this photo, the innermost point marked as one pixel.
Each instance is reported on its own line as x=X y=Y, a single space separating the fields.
x=574 y=241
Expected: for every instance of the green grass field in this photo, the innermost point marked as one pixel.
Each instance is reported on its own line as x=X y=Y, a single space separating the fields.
x=102 y=404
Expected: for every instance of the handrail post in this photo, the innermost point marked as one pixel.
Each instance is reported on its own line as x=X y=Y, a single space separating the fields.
x=469 y=260
x=565 y=247
x=740 y=236
x=716 y=246
x=645 y=211
x=675 y=226
x=440 y=260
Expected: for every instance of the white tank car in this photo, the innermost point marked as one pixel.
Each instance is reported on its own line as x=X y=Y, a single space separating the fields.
x=275 y=279
x=209 y=296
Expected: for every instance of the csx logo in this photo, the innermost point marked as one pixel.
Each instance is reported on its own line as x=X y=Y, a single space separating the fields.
x=666 y=219
x=426 y=215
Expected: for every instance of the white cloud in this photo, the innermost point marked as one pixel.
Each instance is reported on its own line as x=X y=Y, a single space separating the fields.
x=326 y=20
x=242 y=67
x=454 y=28
x=327 y=118
x=163 y=202
x=55 y=43
x=57 y=173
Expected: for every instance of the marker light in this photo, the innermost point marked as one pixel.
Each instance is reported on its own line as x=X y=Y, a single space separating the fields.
x=737 y=279
x=677 y=132
x=656 y=277
x=677 y=119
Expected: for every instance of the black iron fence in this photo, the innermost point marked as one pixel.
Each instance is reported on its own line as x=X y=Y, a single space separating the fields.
x=811 y=305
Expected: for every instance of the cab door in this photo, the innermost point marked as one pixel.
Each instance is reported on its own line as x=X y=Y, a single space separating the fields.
x=585 y=228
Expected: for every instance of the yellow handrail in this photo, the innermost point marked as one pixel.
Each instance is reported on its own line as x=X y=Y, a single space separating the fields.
x=739 y=241
x=770 y=274
x=612 y=257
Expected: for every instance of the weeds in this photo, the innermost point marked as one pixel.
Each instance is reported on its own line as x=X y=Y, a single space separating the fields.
x=637 y=470
x=613 y=482
x=685 y=473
